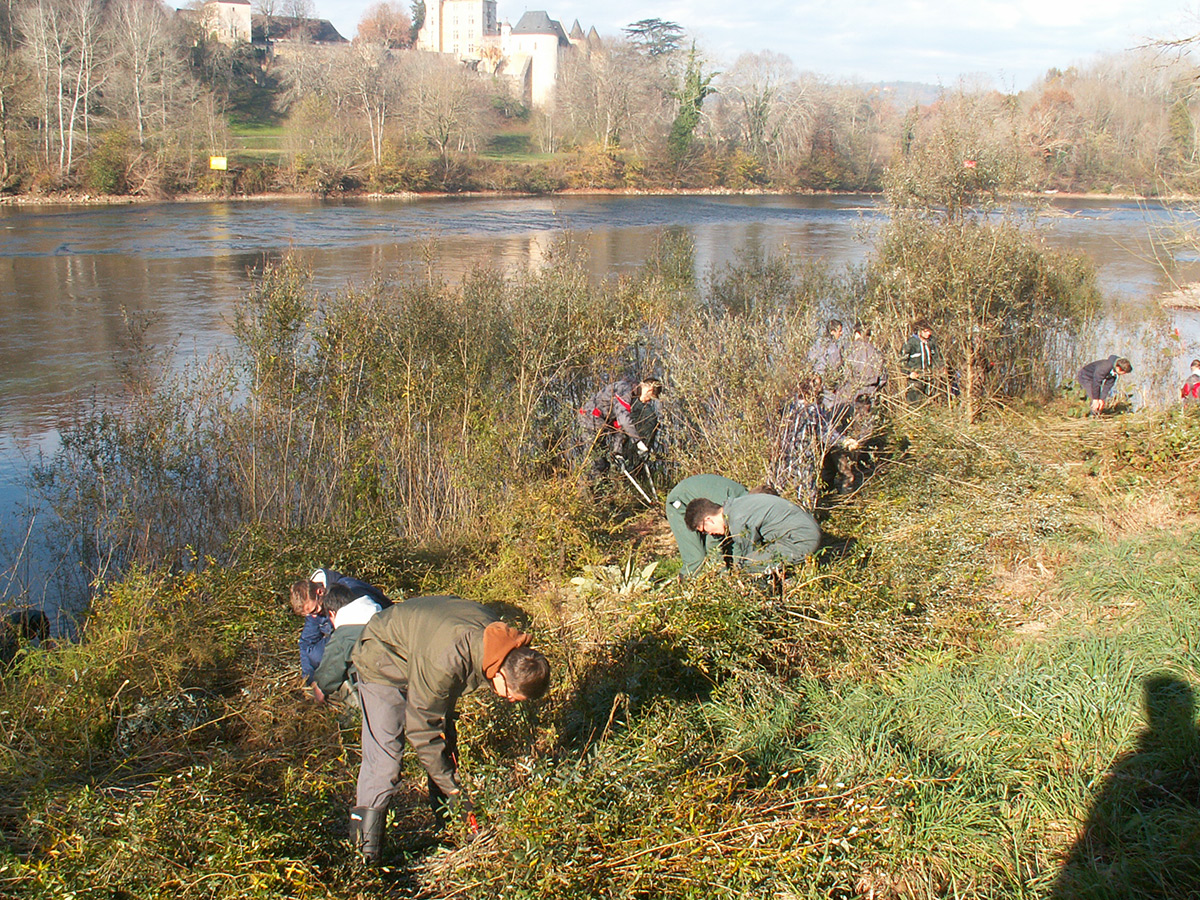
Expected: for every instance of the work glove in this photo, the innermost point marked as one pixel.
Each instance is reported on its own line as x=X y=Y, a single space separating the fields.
x=460 y=805
x=642 y=449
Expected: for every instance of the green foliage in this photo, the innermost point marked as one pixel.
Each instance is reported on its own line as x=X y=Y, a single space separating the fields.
x=418 y=19
x=108 y=164
x=744 y=172
x=1003 y=305
x=1165 y=454
x=655 y=37
x=998 y=750
x=694 y=88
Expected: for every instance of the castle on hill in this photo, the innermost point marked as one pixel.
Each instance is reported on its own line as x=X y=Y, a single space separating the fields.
x=529 y=53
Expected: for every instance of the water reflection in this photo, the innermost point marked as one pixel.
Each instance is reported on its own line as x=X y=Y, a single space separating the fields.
x=69 y=277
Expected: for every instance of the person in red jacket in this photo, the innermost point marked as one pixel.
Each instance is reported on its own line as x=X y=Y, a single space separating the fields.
x=621 y=419
x=1190 y=392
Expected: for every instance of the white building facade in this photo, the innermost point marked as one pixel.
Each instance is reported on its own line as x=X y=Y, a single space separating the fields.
x=227 y=20
x=529 y=54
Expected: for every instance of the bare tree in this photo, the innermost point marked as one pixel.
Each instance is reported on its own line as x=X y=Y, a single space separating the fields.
x=323 y=149
x=617 y=97
x=306 y=71
x=796 y=104
x=444 y=101
x=147 y=70
x=62 y=40
x=299 y=9
x=755 y=82
x=13 y=95
x=372 y=80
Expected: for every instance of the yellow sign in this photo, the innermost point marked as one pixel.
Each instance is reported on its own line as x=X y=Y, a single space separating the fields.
x=218 y=162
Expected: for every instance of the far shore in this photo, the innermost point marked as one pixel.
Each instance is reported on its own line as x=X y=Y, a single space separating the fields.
x=86 y=199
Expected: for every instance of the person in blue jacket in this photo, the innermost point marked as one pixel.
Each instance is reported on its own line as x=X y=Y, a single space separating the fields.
x=307 y=600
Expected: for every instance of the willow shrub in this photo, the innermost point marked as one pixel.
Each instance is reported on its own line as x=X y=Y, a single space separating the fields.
x=734 y=357
x=1005 y=307
x=423 y=407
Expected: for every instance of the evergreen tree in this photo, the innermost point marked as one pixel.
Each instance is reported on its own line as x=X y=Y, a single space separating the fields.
x=695 y=87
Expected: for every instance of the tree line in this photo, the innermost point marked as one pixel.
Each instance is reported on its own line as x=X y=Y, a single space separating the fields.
x=126 y=96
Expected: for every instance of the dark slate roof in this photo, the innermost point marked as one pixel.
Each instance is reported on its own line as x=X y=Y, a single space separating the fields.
x=291 y=28
x=537 y=21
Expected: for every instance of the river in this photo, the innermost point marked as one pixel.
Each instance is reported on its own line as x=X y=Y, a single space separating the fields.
x=69 y=275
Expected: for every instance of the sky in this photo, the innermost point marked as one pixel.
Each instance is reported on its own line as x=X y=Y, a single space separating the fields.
x=1009 y=42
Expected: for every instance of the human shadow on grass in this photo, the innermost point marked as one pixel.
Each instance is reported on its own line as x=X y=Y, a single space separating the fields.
x=1141 y=838
x=633 y=675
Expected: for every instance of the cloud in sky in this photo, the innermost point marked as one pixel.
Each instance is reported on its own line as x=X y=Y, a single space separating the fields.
x=932 y=41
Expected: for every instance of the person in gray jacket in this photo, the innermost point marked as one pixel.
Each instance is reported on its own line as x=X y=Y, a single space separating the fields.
x=414 y=660
x=621 y=416
x=766 y=532
x=693 y=545
x=826 y=353
x=1098 y=379
x=864 y=369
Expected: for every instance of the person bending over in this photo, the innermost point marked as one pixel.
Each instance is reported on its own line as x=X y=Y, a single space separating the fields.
x=765 y=532
x=1098 y=379
x=414 y=661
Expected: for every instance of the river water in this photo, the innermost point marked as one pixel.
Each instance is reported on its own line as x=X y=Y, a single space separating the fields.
x=69 y=276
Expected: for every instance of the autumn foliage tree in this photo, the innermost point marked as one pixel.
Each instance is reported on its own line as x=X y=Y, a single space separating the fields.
x=387 y=25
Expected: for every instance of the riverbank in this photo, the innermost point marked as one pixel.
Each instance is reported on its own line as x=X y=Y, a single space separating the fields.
x=85 y=199
x=928 y=707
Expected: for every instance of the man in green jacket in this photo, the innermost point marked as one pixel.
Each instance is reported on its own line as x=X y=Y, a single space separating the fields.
x=693 y=545
x=414 y=661
x=766 y=531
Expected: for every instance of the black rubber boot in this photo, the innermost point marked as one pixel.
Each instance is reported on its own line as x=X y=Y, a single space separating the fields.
x=366 y=831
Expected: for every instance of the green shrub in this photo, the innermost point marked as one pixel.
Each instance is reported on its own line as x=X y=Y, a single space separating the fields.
x=1005 y=307
x=108 y=164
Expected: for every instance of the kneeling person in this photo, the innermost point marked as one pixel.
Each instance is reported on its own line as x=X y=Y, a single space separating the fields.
x=414 y=661
x=694 y=545
x=765 y=531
